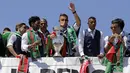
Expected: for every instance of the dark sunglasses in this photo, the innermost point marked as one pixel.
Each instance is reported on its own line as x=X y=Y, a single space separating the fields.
x=64 y=20
x=113 y=27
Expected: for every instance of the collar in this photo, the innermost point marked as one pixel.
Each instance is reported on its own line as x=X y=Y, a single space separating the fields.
x=65 y=28
x=89 y=30
x=31 y=29
x=18 y=33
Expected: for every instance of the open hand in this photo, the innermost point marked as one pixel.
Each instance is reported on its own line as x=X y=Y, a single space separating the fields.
x=72 y=7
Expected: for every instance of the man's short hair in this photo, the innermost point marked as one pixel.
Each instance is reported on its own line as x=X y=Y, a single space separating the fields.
x=119 y=22
x=33 y=19
x=6 y=29
x=92 y=18
x=64 y=15
x=19 y=25
x=45 y=21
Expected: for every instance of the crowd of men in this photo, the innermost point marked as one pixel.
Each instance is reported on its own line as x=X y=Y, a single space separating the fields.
x=36 y=41
x=91 y=41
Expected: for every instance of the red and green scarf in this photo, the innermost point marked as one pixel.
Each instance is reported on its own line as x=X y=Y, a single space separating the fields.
x=23 y=64
x=49 y=46
x=32 y=38
x=114 y=58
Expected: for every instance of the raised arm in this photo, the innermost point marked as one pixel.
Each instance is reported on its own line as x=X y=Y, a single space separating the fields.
x=72 y=8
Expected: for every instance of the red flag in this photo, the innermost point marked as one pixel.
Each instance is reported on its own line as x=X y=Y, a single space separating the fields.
x=84 y=67
x=110 y=54
x=23 y=65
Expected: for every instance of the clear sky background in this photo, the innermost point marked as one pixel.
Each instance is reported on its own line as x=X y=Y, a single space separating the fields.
x=16 y=11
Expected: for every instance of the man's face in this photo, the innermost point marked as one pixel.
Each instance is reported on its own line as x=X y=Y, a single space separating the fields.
x=36 y=25
x=91 y=23
x=22 y=29
x=43 y=25
x=63 y=21
x=115 y=28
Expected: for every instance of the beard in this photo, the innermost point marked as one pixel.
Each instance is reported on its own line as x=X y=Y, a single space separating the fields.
x=36 y=28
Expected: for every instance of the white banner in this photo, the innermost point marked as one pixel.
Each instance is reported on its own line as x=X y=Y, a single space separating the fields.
x=55 y=65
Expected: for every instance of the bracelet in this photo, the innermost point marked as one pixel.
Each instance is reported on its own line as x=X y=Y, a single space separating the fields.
x=74 y=12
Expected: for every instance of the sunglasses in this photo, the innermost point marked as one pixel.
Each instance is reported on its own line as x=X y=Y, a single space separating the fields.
x=113 y=27
x=64 y=19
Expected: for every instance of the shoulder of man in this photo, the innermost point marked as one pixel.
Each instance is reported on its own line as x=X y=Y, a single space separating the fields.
x=99 y=32
x=85 y=31
x=106 y=38
x=126 y=34
x=11 y=34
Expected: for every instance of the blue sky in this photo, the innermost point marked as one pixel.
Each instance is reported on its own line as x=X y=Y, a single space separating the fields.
x=16 y=11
